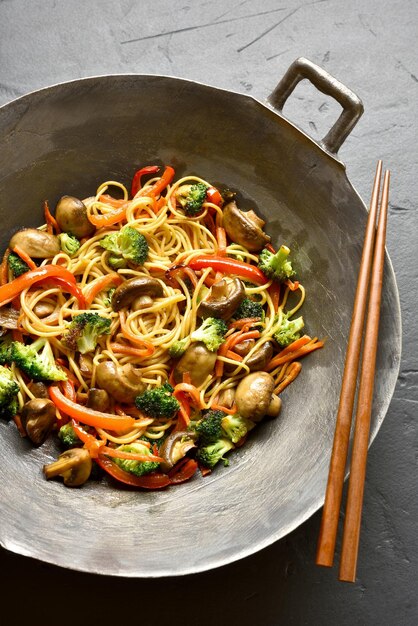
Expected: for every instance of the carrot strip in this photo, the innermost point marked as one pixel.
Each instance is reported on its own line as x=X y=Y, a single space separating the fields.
x=50 y=220
x=130 y=456
x=96 y=286
x=274 y=291
x=128 y=350
x=234 y=356
x=293 y=286
x=25 y=257
x=92 y=444
x=245 y=322
x=224 y=409
x=295 y=345
x=279 y=360
x=190 y=390
x=292 y=373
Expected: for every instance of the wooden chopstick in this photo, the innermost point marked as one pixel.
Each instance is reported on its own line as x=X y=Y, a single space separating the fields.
x=354 y=505
x=330 y=514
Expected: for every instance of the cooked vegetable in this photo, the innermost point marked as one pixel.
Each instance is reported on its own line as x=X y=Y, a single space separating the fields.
x=38 y=419
x=16 y=264
x=255 y=397
x=209 y=428
x=123 y=382
x=223 y=299
x=192 y=197
x=178 y=348
x=98 y=399
x=8 y=393
x=125 y=246
x=211 y=333
x=84 y=331
x=36 y=243
x=236 y=427
x=249 y=309
x=5 y=350
x=36 y=360
x=135 y=288
x=244 y=227
x=228 y=266
x=259 y=359
x=69 y=243
x=276 y=266
x=288 y=331
x=158 y=402
x=210 y=455
x=68 y=436
x=71 y=215
x=73 y=465
x=138 y=468
x=175 y=447
x=198 y=361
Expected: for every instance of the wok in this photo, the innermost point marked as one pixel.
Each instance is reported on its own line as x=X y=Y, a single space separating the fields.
x=69 y=138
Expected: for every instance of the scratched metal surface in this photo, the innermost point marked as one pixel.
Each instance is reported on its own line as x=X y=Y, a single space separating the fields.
x=247 y=46
x=57 y=141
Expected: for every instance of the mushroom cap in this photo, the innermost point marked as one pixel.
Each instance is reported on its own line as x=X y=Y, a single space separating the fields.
x=223 y=299
x=71 y=215
x=198 y=361
x=73 y=465
x=172 y=452
x=123 y=383
x=254 y=395
x=38 y=418
x=36 y=243
x=244 y=227
x=134 y=288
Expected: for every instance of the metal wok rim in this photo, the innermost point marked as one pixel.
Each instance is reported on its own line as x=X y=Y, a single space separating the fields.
x=397 y=346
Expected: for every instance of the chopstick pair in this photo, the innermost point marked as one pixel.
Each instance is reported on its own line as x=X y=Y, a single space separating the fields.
x=371 y=272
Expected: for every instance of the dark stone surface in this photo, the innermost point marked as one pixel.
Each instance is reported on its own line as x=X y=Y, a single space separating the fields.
x=246 y=46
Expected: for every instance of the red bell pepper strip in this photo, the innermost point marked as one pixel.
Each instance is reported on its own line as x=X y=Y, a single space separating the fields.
x=9 y=291
x=182 y=471
x=89 y=416
x=149 y=481
x=229 y=266
x=74 y=290
x=136 y=180
x=214 y=196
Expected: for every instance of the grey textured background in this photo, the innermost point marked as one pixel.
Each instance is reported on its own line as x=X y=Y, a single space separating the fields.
x=247 y=46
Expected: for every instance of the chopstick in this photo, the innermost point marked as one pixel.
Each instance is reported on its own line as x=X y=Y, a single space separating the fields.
x=330 y=515
x=351 y=533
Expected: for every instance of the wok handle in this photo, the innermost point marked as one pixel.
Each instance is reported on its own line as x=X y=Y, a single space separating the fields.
x=351 y=104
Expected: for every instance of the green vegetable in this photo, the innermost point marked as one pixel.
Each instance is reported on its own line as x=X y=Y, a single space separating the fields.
x=236 y=427
x=288 y=331
x=158 y=402
x=126 y=246
x=209 y=428
x=210 y=455
x=276 y=266
x=16 y=264
x=192 y=197
x=8 y=393
x=36 y=360
x=68 y=436
x=178 y=348
x=249 y=308
x=69 y=244
x=139 y=468
x=211 y=333
x=5 y=350
x=84 y=332
x=107 y=300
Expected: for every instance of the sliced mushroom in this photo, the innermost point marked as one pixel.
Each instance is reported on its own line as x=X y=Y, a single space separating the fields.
x=227 y=397
x=198 y=361
x=73 y=465
x=123 y=383
x=85 y=363
x=134 y=288
x=98 y=399
x=71 y=215
x=43 y=308
x=38 y=419
x=244 y=227
x=9 y=317
x=175 y=448
x=39 y=389
x=261 y=357
x=36 y=243
x=223 y=299
x=255 y=397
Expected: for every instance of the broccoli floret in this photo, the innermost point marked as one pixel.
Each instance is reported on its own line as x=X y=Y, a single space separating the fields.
x=69 y=244
x=209 y=428
x=5 y=350
x=36 y=360
x=139 y=468
x=125 y=245
x=211 y=333
x=107 y=299
x=158 y=402
x=84 y=331
x=236 y=427
x=288 y=331
x=68 y=436
x=192 y=197
x=276 y=266
x=16 y=264
x=210 y=455
x=178 y=348
x=8 y=392
x=249 y=308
